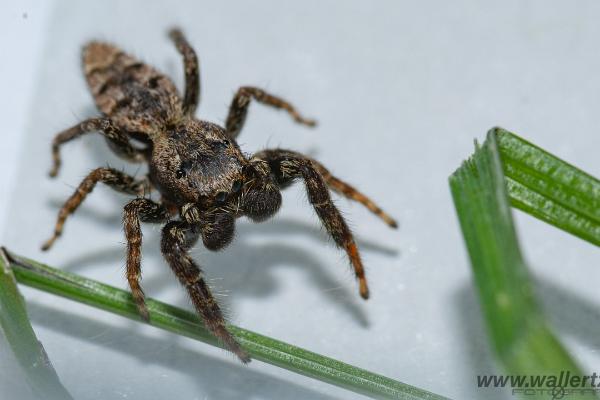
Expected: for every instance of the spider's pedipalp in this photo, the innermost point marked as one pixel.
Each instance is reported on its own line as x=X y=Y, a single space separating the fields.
x=218 y=229
x=217 y=226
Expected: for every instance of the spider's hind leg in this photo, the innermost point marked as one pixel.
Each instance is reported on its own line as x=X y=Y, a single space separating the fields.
x=350 y=192
x=118 y=140
x=287 y=166
x=191 y=68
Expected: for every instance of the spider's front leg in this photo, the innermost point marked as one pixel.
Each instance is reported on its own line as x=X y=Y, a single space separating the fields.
x=287 y=166
x=109 y=176
x=118 y=140
x=191 y=68
x=240 y=103
x=178 y=237
x=135 y=211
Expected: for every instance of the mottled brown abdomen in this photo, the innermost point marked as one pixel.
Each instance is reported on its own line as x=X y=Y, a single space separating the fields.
x=134 y=95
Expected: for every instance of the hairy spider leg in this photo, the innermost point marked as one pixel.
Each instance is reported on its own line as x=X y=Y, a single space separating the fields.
x=238 y=110
x=178 y=237
x=113 y=178
x=191 y=97
x=288 y=166
x=137 y=210
x=350 y=192
x=118 y=139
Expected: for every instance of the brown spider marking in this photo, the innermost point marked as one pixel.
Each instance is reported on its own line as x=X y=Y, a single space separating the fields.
x=197 y=167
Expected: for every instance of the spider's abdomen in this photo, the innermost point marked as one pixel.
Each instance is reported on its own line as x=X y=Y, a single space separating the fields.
x=134 y=95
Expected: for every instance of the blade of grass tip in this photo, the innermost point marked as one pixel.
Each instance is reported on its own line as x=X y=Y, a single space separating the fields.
x=185 y=323
x=15 y=326
x=518 y=331
x=549 y=188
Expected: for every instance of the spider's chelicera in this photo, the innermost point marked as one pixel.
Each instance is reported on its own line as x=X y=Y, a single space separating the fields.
x=198 y=169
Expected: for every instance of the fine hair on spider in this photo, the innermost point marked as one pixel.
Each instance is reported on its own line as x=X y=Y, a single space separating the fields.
x=204 y=180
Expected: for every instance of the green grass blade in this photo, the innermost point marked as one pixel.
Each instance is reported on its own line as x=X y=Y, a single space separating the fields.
x=522 y=340
x=185 y=323
x=19 y=334
x=550 y=189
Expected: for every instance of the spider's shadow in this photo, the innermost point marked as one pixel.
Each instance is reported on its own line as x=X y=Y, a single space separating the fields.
x=223 y=380
x=243 y=268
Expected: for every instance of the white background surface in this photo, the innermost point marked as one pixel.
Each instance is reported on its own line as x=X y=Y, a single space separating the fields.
x=400 y=90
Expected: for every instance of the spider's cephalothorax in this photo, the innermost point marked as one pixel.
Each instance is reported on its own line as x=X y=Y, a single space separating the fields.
x=198 y=169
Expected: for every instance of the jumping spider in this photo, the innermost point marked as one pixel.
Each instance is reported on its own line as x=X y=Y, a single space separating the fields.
x=197 y=167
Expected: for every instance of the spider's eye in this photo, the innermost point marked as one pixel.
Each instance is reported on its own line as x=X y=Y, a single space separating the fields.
x=221 y=196
x=221 y=144
x=237 y=185
x=180 y=173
